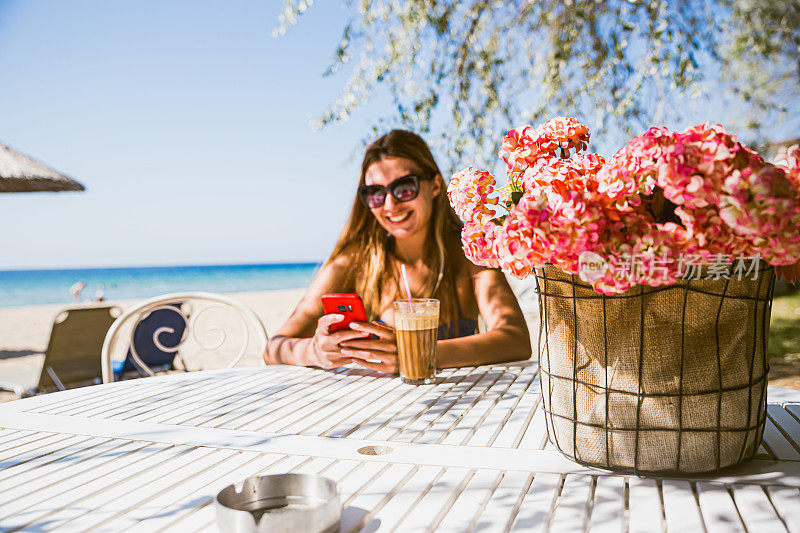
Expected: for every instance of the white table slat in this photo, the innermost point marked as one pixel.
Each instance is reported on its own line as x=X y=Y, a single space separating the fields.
x=573 y=504
x=469 y=502
x=353 y=402
x=360 y=422
x=314 y=466
x=367 y=491
x=505 y=502
x=778 y=444
x=162 y=409
x=259 y=404
x=788 y=424
x=489 y=430
x=719 y=510
x=453 y=412
x=184 y=406
x=103 y=506
x=481 y=407
x=419 y=405
x=535 y=437
x=164 y=508
x=391 y=421
x=10 y=435
x=435 y=497
x=129 y=401
x=538 y=505
x=608 y=509
x=26 y=442
x=256 y=394
x=786 y=501
x=31 y=450
x=202 y=517
x=186 y=413
x=483 y=410
x=517 y=424
x=453 y=481
x=28 y=489
x=60 y=495
x=793 y=408
x=98 y=397
x=756 y=509
x=289 y=400
x=362 y=413
x=680 y=506
x=325 y=396
x=644 y=504
x=166 y=394
x=320 y=406
x=426 y=418
x=54 y=459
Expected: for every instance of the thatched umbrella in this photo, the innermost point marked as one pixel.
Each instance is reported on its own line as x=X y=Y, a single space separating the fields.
x=20 y=173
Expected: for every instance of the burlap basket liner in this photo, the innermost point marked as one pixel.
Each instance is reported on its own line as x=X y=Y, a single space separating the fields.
x=657 y=379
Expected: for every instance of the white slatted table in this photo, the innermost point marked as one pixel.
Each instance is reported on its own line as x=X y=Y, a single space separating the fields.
x=467 y=454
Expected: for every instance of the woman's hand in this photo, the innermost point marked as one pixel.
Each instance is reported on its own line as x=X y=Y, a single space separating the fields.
x=377 y=354
x=326 y=352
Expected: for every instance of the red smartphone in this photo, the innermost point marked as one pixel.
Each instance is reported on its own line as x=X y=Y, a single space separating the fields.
x=349 y=305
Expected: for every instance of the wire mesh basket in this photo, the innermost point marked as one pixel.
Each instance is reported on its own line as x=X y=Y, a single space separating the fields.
x=668 y=379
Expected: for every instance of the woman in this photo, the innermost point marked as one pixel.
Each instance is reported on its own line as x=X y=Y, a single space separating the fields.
x=401 y=216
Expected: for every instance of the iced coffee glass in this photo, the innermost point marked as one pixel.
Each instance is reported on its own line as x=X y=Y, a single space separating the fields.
x=416 y=325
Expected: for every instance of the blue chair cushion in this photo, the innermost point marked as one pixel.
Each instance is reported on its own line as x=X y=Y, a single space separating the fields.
x=147 y=350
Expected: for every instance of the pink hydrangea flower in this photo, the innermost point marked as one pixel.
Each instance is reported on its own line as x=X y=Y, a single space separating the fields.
x=524 y=145
x=565 y=133
x=521 y=242
x=789 y=160
x=760 y=205
x=478 y=240
x=469 y=192
x=728 y=200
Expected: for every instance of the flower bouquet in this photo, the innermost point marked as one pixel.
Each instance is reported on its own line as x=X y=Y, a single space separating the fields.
x=655 y=271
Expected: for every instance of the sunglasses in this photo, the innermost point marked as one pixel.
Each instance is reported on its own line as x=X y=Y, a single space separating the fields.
x=403 y=189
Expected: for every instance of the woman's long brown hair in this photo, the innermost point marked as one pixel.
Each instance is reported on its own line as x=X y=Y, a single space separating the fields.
x=369 y=246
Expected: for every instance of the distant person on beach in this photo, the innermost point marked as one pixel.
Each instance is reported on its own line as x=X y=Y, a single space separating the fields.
x=401 y=216
x=100 y=293
x=76 y=289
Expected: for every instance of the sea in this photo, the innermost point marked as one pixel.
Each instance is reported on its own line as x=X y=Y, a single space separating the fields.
x=34 y=287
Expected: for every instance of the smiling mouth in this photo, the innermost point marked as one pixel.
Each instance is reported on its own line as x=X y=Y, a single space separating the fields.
x=398 y=218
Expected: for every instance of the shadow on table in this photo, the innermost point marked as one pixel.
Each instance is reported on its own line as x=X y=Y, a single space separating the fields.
x=65 y=456
x=11 y=354
x=360 y=371
x=354 y=516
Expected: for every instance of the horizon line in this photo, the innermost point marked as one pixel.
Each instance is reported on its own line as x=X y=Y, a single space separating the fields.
x=122 y=267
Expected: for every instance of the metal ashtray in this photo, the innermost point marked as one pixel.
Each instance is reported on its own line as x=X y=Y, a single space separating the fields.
x=283 y=502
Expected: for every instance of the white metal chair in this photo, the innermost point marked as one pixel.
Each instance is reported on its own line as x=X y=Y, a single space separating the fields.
x=213 y=324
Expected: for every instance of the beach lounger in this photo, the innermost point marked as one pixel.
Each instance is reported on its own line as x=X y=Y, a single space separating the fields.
x=219 y=333
x=72 y=358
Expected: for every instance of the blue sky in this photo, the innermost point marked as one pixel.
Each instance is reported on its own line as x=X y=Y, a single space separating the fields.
x=187 y=123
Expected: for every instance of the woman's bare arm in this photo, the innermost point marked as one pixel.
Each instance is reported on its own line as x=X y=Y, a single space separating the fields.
x=303 y=339
x=506 y=339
